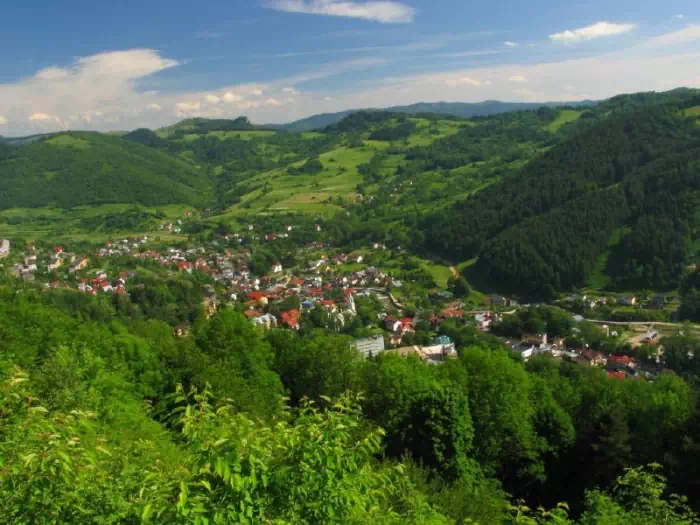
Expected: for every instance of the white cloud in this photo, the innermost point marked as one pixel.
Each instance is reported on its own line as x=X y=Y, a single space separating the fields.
x=290 y=90
x=213 y=99
x=273 y=102
x=52 y=73
x=187 y=108
x=106 y=82
x=232 y=97
x=249 y=104
x=679 y=17
x=517 y=79
x=682 y=36
x=154 y=107
x=598 y=30
x=463 y=81
x=511 y=44
x=387 y=12
x=257 y=92
x=3 y=120
x=38 y=117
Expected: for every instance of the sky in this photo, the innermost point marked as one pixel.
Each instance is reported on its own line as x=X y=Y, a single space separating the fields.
x=105 y=66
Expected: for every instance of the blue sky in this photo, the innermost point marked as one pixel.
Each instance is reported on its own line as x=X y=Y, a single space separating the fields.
x=119 y=65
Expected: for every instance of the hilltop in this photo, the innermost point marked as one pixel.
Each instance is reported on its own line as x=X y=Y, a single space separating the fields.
x=78 y=168
x=455 y=109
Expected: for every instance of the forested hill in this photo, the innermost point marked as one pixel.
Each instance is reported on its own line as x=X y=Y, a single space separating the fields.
x=79 y=168
x=543 y=229
x=454 y=109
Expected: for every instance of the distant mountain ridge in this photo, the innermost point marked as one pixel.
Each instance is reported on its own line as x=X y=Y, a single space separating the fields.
x=456 y=109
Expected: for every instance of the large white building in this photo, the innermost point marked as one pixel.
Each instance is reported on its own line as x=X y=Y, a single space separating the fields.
x=4 y=248
x=371 y=347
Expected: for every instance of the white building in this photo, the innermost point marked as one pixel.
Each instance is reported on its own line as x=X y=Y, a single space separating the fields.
x=4 y=248
x=371 y=346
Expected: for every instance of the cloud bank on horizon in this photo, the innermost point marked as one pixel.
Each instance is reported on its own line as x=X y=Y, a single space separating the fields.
x=119 y=89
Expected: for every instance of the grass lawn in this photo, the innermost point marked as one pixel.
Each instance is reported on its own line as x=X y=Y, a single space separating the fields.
x=441 y=274
x=55 y=223
x=692 y=112
x=310 y=135
x=565 y=116
x=599 y=279
x=306 y=192
x=68 y=141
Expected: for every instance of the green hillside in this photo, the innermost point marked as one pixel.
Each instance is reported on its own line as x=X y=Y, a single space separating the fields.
x=545 y=228
x=532 y=197
x=79 y=168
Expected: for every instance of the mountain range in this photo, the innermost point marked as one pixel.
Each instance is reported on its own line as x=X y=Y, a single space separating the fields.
x=456 y=109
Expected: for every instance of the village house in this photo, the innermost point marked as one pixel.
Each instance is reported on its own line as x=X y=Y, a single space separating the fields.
x=266 y=321
x=290 y=319
x=4 y=248
x=533 y=340
x=433 y=355
x=78 y=264
x=452 y=313
x=483 y=321
x=329 y=305
x=620 y=362
x=626 y=300
x=592 y=358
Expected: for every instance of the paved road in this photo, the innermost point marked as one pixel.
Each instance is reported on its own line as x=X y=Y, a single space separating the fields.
x=635 y=323
x=383 y=292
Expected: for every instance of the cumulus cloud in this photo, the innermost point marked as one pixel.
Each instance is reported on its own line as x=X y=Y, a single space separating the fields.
x=273 y=102
x=106 y=83
x=154 y=107
x=213 y=99
x=257 y=92
x=231 y=97
x=290 y=90
x=38 y=117
x=511 y=44
x=464 y=81
x=517 y=79
x=598 y=30
x=679 y=17
x=187 y=108
x=387 y=12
